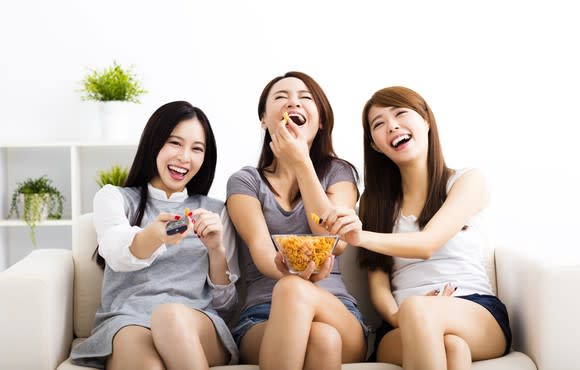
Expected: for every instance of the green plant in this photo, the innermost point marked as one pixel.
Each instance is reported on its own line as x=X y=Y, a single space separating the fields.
x=115 y=176
x=40 y=199
x=112 y=83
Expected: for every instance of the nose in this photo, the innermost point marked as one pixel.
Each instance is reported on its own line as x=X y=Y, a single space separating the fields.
x=393 y=126
x=293 y=101
x=184 y=155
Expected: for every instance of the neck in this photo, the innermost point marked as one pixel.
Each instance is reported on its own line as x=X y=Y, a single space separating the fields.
x=415 y=181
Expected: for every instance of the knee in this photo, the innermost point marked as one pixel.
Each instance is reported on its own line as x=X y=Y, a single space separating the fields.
x=150 y=363
x=291 y=290
x=171 y=319
x=413 y=311
x=456 y=347
x=324 y=342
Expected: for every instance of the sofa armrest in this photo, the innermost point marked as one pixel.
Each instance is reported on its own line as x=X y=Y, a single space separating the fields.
x=36 y=296
x=540 y=294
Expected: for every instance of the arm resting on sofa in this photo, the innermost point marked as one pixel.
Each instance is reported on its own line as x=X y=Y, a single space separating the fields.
x=36 y=296
x=540 y=293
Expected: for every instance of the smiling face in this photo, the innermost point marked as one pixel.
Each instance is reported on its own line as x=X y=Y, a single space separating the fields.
x=399 y=133
x=180 y=157
x=290 y=95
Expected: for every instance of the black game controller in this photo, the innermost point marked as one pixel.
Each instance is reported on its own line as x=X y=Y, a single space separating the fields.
x=179 y=226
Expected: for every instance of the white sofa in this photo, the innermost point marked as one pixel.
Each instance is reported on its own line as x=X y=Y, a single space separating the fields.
x=50 y=297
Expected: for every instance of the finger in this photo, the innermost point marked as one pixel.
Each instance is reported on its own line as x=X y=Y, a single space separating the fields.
x=166 y=216
x=325 y=269
x=449 y=290
x=307 y=273
x=434 y=292
x=280 y=264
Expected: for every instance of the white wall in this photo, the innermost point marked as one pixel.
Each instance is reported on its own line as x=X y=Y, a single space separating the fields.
x=501 y=76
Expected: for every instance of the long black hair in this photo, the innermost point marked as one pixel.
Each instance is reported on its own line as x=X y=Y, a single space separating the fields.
x=156 y=132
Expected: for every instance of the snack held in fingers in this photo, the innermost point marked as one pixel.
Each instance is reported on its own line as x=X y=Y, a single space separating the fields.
x=314 y=217
x=298 y=250
x=285 y=117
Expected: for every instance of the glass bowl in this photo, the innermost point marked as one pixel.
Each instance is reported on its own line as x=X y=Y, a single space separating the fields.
x=299 y=249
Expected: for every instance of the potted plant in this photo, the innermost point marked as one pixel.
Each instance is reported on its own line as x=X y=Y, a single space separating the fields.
x=114 y=88
x=39 y=199
x=116 y=175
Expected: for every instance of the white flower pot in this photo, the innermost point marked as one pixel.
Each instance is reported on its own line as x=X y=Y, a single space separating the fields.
x=115 y=119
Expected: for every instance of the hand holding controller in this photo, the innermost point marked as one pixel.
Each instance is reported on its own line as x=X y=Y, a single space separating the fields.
x=179 y=226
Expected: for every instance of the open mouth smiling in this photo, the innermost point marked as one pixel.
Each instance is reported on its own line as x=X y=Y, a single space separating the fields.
x=180 y=171
x=400 y=140
x=297 y=118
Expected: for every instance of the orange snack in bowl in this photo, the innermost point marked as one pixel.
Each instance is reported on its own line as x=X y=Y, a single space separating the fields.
x=299 y=250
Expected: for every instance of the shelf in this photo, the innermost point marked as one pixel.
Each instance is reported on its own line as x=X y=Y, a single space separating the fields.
x=12 y=223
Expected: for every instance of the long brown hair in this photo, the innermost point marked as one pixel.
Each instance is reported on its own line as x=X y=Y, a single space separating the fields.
x=321 y=151
x=380 y=202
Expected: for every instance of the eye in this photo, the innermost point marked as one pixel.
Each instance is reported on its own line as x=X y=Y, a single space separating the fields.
x=376 y=125
x=198 y=149
x=308 y=97
x=401 y=112
x=174 y=142
x=277 y=97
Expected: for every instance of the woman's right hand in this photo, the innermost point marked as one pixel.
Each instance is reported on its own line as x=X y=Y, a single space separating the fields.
x=158 y=227
x=345 y=222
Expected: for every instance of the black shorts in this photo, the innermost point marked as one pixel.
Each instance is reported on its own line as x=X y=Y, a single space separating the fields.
x=490 y=302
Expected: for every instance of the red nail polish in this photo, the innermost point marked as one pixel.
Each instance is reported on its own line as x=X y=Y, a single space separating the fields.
x=177 y=217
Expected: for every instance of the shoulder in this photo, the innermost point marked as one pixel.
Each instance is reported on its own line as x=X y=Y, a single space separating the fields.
x=470 y=177
x=246 y=178
x=209 y=203
x=341 y=170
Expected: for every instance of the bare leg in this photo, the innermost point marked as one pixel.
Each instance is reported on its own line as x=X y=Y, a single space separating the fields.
x=133 y=349
x=424 y=322
x=186 y=338
x=324 y=343
x=250 y=344
x=457 y=353
x=296 y=305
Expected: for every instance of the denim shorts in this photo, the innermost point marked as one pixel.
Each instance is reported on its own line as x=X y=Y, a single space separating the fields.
x=490 y=302
x=260 y=313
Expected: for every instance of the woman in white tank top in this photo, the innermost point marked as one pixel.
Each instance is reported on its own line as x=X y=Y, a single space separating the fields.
x=419 y=237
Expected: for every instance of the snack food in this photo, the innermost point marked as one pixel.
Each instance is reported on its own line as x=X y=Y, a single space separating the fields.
x=299 y=249
x=314 y=217
x=285 y=117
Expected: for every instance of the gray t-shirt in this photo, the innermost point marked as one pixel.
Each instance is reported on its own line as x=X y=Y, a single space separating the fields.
x=247 y=181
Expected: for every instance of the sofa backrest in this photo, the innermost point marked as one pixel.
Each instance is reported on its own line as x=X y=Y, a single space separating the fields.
x=89 y=277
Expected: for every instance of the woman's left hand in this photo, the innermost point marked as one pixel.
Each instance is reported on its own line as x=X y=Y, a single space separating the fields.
x=307 y=274
x=288 y=143
x=208 y=228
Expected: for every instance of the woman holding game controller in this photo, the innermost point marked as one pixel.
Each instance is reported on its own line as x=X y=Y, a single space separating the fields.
x=164 y=283
x=423 y=232
x=304 y=320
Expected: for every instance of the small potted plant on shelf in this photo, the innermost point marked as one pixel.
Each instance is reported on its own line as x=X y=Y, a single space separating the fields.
x=34 y=200
x=113 y=88
x=116 y=175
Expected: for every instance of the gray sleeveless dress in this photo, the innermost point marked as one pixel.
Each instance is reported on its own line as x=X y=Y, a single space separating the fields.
x=177 y=276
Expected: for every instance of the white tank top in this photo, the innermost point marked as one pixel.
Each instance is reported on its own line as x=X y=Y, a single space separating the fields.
x=459 y=262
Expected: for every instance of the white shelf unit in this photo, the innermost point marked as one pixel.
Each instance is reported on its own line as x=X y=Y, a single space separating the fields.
x=73 y=167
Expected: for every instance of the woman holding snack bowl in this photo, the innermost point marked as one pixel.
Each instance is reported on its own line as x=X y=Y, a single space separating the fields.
x=310 y=315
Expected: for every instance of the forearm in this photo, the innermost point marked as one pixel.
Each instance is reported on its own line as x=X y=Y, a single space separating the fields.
x=406 y=245
x=145 y=243
x=218 y=266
